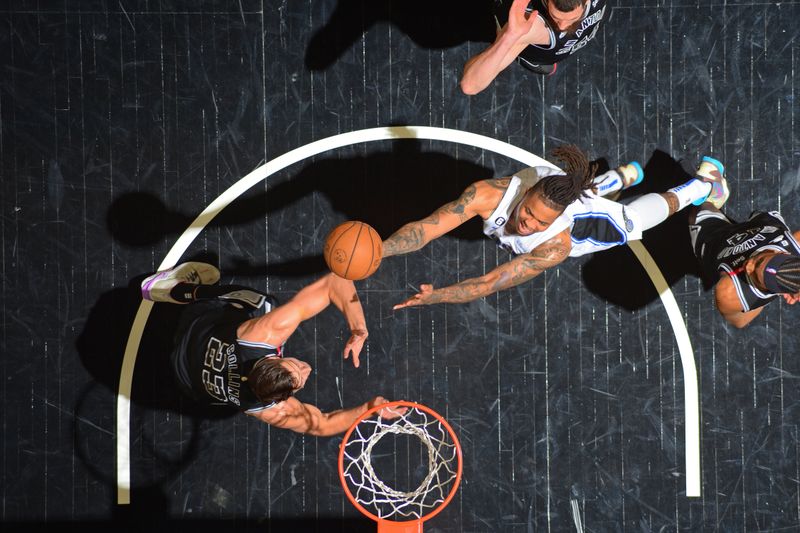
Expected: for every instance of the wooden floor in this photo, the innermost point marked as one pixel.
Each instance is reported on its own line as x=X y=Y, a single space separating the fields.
x=121 y=121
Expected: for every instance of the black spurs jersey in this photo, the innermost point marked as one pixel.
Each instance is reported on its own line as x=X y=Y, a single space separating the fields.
x=562 y=44
x=211 y=363
x=727 y=246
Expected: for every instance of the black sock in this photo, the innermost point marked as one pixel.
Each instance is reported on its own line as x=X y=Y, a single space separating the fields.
x=191 y=292
x=183 y=292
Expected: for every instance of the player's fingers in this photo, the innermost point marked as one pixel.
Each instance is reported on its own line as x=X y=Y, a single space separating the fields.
x=393 y=412
x=407 y=303
x=378 y=400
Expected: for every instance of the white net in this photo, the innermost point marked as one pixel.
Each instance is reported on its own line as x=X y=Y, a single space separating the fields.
x=438 y=450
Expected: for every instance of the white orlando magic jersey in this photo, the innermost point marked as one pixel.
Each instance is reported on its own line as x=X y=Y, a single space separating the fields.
x=495 y=225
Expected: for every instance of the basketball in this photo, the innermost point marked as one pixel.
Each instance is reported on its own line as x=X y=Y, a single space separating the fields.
x=353 y=250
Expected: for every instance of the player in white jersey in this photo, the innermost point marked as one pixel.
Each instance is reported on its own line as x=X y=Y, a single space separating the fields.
x=545 y=215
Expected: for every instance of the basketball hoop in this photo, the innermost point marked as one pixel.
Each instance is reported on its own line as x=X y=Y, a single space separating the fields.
x=396 y=509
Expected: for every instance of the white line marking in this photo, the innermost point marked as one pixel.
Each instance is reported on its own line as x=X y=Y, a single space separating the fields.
x=691 y=398
x=381 y=134
x=576 y=515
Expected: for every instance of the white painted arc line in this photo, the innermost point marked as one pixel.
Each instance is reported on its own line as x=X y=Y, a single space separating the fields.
x=691 y=397
x=299 y=154
x=124 y=404
x=331 y=143
x=228 y=196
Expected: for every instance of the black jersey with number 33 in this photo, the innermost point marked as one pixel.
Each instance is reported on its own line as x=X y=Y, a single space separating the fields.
x=211 y=362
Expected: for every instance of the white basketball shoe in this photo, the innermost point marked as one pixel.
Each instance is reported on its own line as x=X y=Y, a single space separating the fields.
x=157 y=287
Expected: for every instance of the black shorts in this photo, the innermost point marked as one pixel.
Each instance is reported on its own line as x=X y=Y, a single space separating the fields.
x=708 y=235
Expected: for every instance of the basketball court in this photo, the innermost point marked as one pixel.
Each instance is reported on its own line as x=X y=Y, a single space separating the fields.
x=605 y=395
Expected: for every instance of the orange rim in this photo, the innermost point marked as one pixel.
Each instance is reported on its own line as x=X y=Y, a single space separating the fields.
x=411 y=405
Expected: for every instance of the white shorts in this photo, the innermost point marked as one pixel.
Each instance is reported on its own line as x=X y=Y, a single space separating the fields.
x=599 y=224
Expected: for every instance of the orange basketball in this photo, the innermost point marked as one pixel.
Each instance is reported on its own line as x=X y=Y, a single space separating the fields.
x=353 y=250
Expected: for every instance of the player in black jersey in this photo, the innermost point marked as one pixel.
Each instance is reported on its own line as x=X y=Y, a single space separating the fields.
x=229 y=345
x=751 y=263
x=537 y=33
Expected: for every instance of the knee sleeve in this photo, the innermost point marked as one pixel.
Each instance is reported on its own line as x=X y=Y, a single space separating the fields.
x=652 y=210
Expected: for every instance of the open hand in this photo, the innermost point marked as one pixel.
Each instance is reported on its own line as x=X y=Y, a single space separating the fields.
x=354 y=345
x=425 y=296
x=519 y=22
x=791 y=299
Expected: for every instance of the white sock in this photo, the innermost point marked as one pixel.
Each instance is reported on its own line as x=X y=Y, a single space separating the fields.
x=652 y=209
x=691 y=191
x=607 y=183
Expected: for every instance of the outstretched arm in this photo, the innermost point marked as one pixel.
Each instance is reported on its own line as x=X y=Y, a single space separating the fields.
x=480 y=198
x=306 y=418
x=345 y=298
x=277 y=325
x=520 y=31
x=517 y=271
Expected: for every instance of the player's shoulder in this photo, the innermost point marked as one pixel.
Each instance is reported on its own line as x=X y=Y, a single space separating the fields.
x=488 y=193
x=539 y=34
x=278 y=412
x=495 y=184
x=555 y=249
x=561 y=241
x=726 y=296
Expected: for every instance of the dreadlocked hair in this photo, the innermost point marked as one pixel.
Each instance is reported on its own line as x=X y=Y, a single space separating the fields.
x=788 y=275
x=559 y=191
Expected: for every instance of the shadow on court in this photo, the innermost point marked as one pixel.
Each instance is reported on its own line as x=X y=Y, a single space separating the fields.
x=102 y=342
x=386 y=189
x=430 y=25
x=168 y=433
x=616 y=275
x=390 y=188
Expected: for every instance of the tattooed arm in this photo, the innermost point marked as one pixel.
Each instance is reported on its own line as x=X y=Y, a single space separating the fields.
x=518 y=270
x=480 y=198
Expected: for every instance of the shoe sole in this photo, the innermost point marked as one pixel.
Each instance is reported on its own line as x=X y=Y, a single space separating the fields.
x=639 y=173
x=205 y=275
x=716 y=163
x=722 y=182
